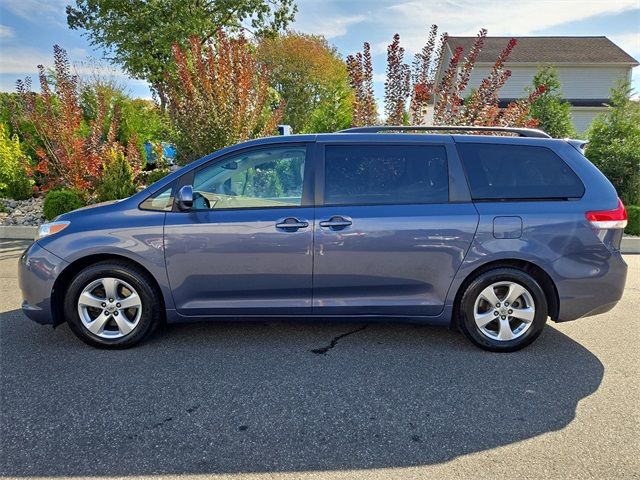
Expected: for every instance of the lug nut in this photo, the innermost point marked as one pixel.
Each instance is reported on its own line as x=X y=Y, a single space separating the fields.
x=495 y=313
x=506 y=304
x=106 y=312
x=510 y=311
x=115 y=313
x=503 y=317
x=104 y=304
x=111 y=300
x=498 y=304
x=118 y=305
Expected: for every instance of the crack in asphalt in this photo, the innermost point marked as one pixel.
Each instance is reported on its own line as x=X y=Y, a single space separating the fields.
x=334 y=340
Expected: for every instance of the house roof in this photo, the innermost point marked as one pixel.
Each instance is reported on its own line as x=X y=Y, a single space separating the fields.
x=588 y=50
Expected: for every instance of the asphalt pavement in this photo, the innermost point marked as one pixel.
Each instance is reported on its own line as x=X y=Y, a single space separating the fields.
x=314 y=399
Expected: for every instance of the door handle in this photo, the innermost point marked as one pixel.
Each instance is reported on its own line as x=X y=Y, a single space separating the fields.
x=336 y=222
x=291 y=224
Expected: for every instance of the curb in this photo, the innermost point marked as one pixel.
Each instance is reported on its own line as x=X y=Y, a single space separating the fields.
x=630 y=245
x=11 y=232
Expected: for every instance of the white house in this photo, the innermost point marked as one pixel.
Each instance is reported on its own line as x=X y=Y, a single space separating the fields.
x=587 y=67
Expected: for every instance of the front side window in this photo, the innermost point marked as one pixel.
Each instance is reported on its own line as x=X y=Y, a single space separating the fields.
x=268 y=177
x=385 y=174
x=518 y=172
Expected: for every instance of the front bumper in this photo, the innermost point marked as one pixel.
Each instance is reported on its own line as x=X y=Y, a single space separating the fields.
x=38 y=270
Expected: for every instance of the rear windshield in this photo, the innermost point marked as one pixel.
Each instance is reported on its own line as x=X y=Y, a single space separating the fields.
x=508 y=172
x=385 y=174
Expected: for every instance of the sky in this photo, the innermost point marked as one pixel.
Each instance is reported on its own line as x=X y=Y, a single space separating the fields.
x=30 y=28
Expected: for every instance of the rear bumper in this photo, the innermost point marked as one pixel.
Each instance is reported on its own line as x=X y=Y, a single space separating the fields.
x=587 y=288
x=37 y=272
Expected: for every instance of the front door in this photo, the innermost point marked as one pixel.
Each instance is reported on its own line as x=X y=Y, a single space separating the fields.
x=245 y=248
x=387 y=239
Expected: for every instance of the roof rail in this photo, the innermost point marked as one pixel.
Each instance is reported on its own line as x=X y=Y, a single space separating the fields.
x=522 y=132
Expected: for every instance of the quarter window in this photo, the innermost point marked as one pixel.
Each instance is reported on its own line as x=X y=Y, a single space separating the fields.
x=506 y=172
x=258 y=178
x=385 y=174
x=161 y=201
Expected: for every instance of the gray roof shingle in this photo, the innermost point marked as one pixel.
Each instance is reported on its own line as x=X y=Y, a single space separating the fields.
x=549 y=50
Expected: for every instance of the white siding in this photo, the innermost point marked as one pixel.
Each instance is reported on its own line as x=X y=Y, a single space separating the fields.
x=585 y=82
x=583 y=116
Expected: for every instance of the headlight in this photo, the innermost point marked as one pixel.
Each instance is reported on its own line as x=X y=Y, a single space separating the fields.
x=47 y=229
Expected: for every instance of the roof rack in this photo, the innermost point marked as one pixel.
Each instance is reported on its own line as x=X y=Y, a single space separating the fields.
x=522 y=132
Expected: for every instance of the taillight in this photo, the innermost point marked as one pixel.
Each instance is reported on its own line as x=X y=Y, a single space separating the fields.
x=616 y=218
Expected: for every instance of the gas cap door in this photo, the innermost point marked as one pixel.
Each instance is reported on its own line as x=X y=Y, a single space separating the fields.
x=507 y=227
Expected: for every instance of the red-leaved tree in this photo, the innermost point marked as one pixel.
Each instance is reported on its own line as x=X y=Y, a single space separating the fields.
x=429 y=84
x=219 y=96
x=72 y=153
x=396 y=87
x=360 y=69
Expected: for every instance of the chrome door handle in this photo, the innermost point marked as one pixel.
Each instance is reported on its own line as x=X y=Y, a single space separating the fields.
x=291 y=224
x=336 y=222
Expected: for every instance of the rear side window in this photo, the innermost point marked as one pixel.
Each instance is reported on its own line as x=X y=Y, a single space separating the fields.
x=517 y=172
x=385 y=174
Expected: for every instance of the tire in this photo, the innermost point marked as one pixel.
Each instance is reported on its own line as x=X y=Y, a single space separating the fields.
x=520 y=304
x=122 y=321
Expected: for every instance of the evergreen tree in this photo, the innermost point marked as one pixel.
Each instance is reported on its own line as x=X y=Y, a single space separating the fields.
x=548 y=108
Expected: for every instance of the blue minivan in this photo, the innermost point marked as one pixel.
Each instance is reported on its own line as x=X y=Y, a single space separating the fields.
x=489 y=234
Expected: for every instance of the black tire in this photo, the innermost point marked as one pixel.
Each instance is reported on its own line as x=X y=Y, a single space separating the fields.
x=149 y=319
x=472 y=292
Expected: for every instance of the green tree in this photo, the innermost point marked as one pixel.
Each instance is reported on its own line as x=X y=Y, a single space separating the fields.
x=548 y=108
x=311 y=79
x=614 y=143
x=139 y=34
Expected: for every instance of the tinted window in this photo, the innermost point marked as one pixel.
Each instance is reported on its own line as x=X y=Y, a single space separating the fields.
x=385 y=174
x=269 y=177
x=517 y=172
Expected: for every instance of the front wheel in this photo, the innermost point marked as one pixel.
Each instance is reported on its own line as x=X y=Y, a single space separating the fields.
x=112 y=305
x=503 y=310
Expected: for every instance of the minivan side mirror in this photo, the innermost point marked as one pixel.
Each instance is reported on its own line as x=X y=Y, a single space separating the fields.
x=184 y=198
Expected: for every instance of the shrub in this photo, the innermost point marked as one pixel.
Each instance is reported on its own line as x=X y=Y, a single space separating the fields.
x=117 y=178
x=15 y=181
x=74 y=148
x=57 y=202
x=219 y=96
x=614 y=144
x=633 y=227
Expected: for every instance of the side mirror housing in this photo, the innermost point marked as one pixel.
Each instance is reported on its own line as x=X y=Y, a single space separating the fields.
x=184 y=198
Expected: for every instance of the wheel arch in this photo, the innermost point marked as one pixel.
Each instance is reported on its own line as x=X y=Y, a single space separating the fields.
x=62 y=282
x=538 y=273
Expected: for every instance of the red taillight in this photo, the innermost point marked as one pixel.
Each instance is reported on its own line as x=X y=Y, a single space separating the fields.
x=616 y=218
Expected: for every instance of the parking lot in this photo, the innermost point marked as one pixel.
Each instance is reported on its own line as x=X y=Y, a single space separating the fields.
x=322 y=400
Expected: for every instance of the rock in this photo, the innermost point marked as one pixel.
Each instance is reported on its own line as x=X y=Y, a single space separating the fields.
x=21 y=212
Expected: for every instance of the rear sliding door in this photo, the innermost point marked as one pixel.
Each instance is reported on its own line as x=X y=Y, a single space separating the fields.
x=387 y=238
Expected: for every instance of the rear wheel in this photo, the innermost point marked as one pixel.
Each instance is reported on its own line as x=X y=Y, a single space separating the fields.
x=503 y=310
x=112 y=305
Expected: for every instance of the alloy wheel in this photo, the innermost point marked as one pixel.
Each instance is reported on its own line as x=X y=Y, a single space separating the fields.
x=504 y=311
x=109 y=308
